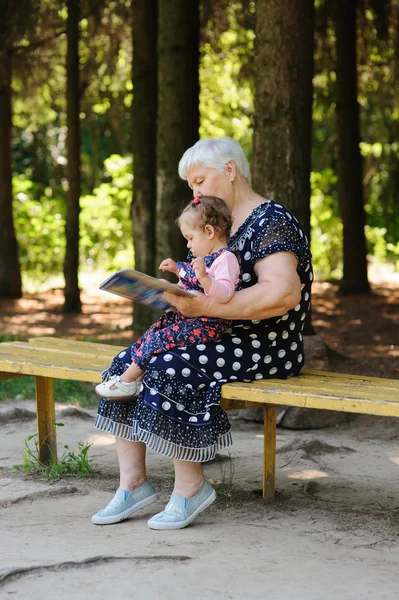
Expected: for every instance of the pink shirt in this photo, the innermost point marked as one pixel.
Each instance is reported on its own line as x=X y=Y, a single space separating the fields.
x=224 y=272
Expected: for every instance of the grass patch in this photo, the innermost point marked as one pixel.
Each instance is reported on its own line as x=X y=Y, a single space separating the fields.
x=65 y=391
x=70 y=464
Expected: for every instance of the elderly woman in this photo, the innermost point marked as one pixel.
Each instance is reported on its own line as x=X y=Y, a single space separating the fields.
x=177 y=412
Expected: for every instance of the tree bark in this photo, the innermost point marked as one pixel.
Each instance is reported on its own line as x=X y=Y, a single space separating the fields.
x=10 y=271
x=144 y=131
x=178 y=116
x=281 y=161
x=350 y=169
x=72 y=301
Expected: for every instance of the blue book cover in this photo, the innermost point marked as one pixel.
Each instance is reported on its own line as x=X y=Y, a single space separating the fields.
x=142 y=288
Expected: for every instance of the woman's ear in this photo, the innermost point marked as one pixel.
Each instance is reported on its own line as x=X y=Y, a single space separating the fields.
x=231 y=170
x=210 y=231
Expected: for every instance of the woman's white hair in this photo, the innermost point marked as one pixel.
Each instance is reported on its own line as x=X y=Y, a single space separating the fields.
x=214 y=153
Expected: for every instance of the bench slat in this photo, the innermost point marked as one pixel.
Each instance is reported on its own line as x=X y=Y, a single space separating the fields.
x=61 y=344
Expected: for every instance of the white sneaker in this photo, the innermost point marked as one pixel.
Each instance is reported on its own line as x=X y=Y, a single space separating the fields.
x=115 y=389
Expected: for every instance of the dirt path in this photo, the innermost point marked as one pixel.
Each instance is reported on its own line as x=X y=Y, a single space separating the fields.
x=333 y=532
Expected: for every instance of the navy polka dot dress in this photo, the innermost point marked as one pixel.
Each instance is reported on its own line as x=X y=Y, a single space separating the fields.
x=177 y=412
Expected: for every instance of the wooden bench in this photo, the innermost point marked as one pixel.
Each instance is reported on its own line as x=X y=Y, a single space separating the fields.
x=52 y=358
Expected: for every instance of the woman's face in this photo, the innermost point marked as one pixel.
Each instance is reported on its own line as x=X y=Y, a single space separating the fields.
x=205 y=181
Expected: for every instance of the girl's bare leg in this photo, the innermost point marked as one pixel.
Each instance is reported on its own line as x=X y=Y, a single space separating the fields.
x=131 y=456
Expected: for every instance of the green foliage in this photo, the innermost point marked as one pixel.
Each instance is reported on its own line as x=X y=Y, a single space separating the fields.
x=70 y=392
x=69 y=465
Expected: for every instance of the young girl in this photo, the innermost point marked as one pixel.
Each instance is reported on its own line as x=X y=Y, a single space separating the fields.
x=205 y=223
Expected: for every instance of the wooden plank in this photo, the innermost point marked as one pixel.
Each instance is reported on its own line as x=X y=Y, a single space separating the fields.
x=16 y=348
x=46 y=419
x=269 y=453
x=330 y=375
x=4 y=376
x=67 y=344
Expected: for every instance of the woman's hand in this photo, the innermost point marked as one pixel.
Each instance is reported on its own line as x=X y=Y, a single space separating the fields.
x=169 y=265
x=197 y=306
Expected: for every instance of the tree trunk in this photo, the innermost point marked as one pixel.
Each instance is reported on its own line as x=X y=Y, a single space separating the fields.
x=144 y=131
x=178 y=117
x=10 y=272
x=71 y=264
x=281 y=161
x=349 y=158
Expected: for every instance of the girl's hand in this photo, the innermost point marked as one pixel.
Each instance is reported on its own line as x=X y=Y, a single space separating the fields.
x=169 y=265
x=198 y=265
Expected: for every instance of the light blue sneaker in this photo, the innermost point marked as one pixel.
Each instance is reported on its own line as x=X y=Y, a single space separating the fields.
x=180 y=512
x=124 y=504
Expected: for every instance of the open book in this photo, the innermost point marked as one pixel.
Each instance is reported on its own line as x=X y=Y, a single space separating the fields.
x=141 y=288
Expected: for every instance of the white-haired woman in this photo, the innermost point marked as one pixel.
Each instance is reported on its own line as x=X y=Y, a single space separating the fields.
x=178 y=412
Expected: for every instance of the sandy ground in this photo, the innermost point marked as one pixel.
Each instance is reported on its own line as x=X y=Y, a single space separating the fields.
x=333 y=532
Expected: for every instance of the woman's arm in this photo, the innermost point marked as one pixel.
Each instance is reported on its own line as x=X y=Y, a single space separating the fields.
x=277 y=291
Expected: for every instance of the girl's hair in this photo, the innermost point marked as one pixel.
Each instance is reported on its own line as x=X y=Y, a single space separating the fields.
x=215 y=153
x=208 y=210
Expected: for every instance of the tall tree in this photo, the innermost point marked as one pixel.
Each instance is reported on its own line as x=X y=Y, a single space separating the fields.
x=71 y=262
x=350 y=171
x=283 y=103
x=16 y=20
x=178 y=115
x=144 y=131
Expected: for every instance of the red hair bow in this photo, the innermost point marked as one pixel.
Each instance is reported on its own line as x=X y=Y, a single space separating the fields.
x=196 y=201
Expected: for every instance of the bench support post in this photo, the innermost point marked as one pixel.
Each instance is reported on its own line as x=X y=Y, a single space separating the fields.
x=269 y=452
x=46 y=419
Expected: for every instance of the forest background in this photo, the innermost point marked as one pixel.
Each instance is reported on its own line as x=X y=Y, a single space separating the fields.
x=99 y=99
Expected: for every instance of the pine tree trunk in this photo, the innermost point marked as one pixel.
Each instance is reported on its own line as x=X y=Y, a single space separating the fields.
x=283 y=104
x=349 y=158
x=178 y=117
x=10 y=272
x=144 y=131
x=71 y=263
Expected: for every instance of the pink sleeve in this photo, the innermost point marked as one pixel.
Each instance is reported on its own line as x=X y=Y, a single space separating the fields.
x=224 y=273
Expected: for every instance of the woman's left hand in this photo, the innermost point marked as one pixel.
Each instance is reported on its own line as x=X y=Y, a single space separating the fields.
x=189 y=307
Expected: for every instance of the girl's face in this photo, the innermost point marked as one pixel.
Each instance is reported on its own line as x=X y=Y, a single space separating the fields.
x=200 y=241
x=205 y=181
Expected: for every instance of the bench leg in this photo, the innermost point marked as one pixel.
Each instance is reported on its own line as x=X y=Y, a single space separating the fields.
x=46 y=419
x=269 y=452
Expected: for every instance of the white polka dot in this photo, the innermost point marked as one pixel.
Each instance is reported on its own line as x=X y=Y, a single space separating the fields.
x=233 y=377
x=207 y=416
x=303 y=316
x=300 y=357
x=301 y=233
x=253 y=336
x=217 y=375
x=220 y=348
x=153 y=359
x=307 y=268
x=212 y=384
x=311 y=276
x=155 y=374
x=294 y=346
x=302 y=286
x=203 y=370
x=255 y=343
x=201 y=386
x=153 y=391
x=180 y=407
x=186 y=372
x=298 y=307
x=273 y=370
x=193 y=419
x=154 y=403
x=122 y=354
x=170 y=372
x=289 y=216
x=238 y=352
x=255 y=321
x=272 y=335
x=288 y=365
x=189 y=386
x=166 y=405
x=203 y=359
x=201 y=347
x=247 y=256
x=256 y=357
x=300 y=336
x=220 y=362
x=246 y=277
x=306 y=296
x=261 y=222
x=258 y=376
x=285 y=317
x=281 y=353
x=284 y=335
x=236 y=366
x=236 y=340
x=186 y=356
x=246 y=326
x=141 y=387
x=267 y=359
x=292 y=326
x=168 y=357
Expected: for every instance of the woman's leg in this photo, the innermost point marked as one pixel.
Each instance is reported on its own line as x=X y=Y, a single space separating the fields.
x=189 y=478
x=131 y=457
